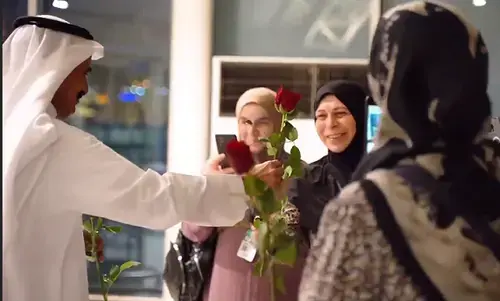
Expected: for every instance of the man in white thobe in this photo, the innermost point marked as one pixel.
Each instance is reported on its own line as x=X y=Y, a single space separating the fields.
x=53 y=172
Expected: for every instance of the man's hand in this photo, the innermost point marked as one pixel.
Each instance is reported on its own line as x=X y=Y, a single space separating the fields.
x=88 y=246
x=213 y=166
x=271 y=172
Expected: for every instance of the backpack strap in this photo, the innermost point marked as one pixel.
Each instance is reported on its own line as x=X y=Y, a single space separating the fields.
x=422 y=180
x=397 y=240
x=418 y=178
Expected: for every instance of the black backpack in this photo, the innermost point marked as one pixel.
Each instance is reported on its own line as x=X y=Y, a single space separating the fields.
x=188 y=267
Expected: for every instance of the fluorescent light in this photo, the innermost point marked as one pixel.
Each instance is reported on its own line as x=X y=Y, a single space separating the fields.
x=479 y=2
x=61 y=4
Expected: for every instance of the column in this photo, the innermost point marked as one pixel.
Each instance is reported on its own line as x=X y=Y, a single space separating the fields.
x=33 y=7
x=189 y=101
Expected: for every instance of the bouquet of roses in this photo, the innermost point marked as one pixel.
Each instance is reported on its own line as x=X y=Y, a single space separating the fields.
x=277 y=219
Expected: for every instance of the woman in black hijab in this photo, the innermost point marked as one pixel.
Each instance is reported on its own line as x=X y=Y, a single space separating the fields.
x=340 y=120
x=387 y=238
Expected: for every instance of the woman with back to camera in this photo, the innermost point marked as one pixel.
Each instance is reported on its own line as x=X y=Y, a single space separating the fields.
x=232 y=277
x=421 y=220
x=340 y=120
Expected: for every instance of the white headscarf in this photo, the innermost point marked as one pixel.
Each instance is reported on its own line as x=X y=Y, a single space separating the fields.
x=264 y=97
x=35 y=63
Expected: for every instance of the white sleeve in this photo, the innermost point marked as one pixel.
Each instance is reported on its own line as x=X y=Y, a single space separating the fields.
x=91 y=178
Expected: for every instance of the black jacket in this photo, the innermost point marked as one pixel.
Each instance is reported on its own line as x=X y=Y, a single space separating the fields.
x=321 y=183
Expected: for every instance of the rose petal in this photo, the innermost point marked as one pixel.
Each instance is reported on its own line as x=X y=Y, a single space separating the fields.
x=239 y=156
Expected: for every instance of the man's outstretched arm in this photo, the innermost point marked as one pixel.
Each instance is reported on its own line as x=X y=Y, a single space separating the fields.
x=88 y=177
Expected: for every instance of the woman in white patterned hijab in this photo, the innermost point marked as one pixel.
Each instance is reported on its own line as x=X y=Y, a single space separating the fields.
x=382 y=239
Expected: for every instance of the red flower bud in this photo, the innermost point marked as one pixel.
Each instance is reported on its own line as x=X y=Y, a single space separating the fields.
x=239 y=156
x=287 y=100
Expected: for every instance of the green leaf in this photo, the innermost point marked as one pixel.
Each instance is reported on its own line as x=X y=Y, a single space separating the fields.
x=112 y=229
x=268 y=203
x=295 y=154
x=264 y=140
x=292 y=115
x=288 y=254
x=279 y=227
x=114 y=272
x=279 y=283
x=298 y=171
x=261 y=266
x=288 y=172
x=276 y=140
x=271 y=150
x=290 y=132
x=281 y=240
x=87 y=227
x=107 y=280
x=253 y=186
x=294 y=160
x=257 y=222
x=129 y=264
x=99 y=223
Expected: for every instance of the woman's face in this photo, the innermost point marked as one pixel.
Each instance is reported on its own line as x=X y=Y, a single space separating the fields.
x=254 y=124
x=335 y=125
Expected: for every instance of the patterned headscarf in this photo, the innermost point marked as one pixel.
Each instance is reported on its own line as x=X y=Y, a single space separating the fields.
x=383 y=240
x=428 y=72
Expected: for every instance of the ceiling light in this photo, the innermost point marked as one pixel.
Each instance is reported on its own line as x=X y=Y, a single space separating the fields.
x=479 y=2
x=61 y=4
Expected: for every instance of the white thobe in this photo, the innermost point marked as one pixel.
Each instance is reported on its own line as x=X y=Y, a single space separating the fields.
x=78 y=174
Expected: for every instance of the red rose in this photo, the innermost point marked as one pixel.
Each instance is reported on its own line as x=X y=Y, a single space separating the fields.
x=239 y=156
x=88 y=245
x=287 y=100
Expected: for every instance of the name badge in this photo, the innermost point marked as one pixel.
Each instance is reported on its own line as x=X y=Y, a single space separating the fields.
x=248 y=247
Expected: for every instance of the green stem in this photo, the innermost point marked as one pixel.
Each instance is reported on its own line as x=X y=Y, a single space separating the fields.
x=96 y=256
x=271 y=266
x=273 y=282
x=280 y=147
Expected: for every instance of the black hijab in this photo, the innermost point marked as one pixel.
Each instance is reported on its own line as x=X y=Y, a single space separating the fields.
x=354 y=97
x=323 y=178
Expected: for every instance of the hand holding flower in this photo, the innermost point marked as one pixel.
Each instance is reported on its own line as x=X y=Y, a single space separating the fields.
x=270 y=172
x=241 y=160
x=213 y=166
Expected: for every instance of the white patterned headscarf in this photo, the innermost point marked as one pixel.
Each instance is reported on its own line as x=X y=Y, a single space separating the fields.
x=428 y=72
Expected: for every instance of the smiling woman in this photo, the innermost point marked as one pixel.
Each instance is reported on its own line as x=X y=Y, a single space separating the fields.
x=340 y=119
x=335 y=124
